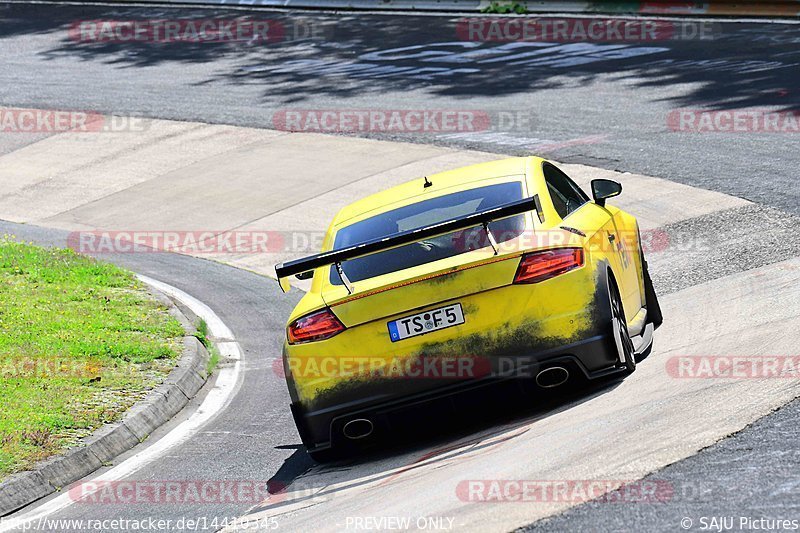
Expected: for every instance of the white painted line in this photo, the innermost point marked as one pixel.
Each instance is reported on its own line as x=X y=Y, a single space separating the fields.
x=229 y=349
x=216 y=326
x=227 y=383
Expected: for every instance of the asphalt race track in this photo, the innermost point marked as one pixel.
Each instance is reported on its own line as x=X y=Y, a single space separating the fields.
x=728 y=274
x=623 y=95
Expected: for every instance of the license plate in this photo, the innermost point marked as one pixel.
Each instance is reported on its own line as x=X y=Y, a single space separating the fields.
x=425 y=322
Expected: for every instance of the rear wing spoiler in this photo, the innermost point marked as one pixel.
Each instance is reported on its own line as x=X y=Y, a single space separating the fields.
x=303 y=268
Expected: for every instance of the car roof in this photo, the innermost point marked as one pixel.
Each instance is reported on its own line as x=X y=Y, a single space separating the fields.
x=443 y=183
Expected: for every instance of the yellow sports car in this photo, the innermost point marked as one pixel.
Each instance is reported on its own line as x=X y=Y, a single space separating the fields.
x=501 y=273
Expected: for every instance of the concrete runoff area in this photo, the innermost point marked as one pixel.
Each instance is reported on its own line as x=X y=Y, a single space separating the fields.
x=654 y=418
x=239 y=179
x=194 y=177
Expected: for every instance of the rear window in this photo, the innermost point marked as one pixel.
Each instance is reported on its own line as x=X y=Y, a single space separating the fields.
x=423 y=214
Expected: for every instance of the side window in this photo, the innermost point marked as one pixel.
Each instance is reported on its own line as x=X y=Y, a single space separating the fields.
x=566 y=195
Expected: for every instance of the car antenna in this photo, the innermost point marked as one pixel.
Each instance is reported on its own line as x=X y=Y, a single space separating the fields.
x=427 y=183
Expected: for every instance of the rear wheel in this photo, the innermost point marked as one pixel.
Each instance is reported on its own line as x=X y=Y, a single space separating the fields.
x=619 y=329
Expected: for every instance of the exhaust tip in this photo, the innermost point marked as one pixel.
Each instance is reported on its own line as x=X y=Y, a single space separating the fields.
x=358 y=429
x=552 y=377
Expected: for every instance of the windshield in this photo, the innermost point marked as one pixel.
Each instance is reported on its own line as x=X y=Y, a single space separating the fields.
x=422 y=214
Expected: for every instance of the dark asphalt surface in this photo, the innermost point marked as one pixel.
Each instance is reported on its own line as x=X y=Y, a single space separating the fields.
x=254 y=439
x=568 y=91
x=752 y=476
x=571 y=93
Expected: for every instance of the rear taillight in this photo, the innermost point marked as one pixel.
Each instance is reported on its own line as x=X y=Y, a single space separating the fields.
x=314 y=327
x=539 y=266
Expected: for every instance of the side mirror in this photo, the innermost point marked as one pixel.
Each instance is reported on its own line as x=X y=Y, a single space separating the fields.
x=603 y=189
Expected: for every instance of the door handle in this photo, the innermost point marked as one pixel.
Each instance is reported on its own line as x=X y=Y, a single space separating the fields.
x=611 y=237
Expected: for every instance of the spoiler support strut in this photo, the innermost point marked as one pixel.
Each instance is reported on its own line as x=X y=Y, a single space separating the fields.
x=343 y=277
x=491 y=238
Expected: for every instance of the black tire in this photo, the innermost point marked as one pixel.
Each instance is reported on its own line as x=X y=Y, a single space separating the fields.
x=619 y=330
x=650 y=299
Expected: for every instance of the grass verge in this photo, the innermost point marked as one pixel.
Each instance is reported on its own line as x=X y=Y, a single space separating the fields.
x=80 y=342
x=213 y=351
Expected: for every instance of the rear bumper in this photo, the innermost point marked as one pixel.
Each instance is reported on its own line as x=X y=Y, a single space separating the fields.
x=322 y=429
